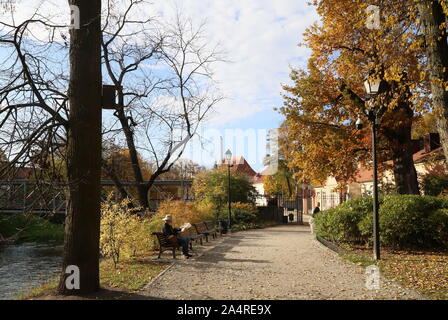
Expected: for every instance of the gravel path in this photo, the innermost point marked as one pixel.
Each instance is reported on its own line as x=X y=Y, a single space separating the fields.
x=283 y=262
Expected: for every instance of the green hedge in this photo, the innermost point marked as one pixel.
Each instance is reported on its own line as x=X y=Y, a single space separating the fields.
x=406 y=221
x=434 y=185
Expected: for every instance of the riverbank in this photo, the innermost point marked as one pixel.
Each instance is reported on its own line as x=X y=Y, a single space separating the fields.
x=27 y=265
x=21 y=228
x=123 y=282
x=31 y=249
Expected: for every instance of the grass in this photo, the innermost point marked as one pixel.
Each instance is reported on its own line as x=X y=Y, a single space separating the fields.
x=359 y=259
x=30 y=228
x=130 y=276
x=422 y=271
x=45 y=289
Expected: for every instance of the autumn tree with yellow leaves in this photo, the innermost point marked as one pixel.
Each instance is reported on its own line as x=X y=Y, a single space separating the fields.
x=434 y=19
x=325 y=100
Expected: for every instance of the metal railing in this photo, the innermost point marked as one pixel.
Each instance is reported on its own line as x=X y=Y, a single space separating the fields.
x=41 y=197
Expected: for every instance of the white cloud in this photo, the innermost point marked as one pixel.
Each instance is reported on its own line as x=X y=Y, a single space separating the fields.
x=260 y=37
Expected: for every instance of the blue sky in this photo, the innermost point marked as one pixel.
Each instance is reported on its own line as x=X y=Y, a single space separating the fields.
x=260 y=39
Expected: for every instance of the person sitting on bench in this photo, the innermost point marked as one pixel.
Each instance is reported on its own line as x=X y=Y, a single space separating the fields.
x=171 y=233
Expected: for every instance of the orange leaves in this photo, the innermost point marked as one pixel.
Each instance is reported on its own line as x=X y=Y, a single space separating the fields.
x=426 y=273
x=324 y=101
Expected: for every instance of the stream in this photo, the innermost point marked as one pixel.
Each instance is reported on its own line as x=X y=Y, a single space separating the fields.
x=26 y=266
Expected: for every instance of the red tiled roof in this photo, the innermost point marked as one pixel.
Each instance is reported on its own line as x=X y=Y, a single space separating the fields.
x=258 y=178
x=18 y=173
x=422 y=156
x=366 y=175
x=240 y=165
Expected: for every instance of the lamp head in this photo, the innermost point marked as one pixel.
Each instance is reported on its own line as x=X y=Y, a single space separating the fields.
x=228 y=155
x=375 y=85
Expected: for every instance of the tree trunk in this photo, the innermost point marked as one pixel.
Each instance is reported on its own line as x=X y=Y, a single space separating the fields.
x=398 y=135
x=403 y=164
x=437 y=53
x=113 y=176
x=142 y=190
x=82 y=225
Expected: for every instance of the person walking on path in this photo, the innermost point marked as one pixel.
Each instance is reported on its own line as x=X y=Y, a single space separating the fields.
x=315 y=212
x=173 y=235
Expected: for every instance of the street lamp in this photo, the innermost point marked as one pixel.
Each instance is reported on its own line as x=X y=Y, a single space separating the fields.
x=374 y=87
x=228 y=155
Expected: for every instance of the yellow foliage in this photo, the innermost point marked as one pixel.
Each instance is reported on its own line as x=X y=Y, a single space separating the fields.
x=122 y=232
x=206 y=209
x=182 y=212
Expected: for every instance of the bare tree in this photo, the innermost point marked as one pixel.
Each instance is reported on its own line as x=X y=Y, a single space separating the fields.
x=165 y=91
x=39 y=119
x=33 y=99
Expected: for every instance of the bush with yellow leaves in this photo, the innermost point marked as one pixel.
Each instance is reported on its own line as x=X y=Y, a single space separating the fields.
x=182 y=212
x=123 y=234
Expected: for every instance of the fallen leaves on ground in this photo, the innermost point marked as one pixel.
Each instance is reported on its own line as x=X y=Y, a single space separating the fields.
x=423 y=271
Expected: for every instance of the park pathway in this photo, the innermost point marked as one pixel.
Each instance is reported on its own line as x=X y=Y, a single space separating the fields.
x=283 y=262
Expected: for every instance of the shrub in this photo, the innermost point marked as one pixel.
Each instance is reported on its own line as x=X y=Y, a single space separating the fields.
x=341 y=224
x=437 y=226
x=182 y=212
x=30 y=228
x=434 y=185
x=206 y=209
x=153 y=224
x=405 y=221
x=244 y=213
x=122 y=232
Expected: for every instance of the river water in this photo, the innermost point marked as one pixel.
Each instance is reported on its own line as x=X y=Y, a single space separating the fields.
x=26 y=266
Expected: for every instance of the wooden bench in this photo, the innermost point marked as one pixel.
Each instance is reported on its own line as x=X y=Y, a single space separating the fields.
x=211 y=229
x=194 y=235
x=201 y=228
x=165 y=244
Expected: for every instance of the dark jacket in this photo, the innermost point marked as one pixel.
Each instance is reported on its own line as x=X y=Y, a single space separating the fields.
x=316 y=211
x=169 y=230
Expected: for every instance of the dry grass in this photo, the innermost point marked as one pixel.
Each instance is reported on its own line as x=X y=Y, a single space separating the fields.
x=125 y=281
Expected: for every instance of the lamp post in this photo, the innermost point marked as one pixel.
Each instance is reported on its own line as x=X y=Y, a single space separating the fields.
x=229 y=159
x=374 y=86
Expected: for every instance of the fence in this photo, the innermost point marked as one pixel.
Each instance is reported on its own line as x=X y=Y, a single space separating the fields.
x=328 y=201
x=31 y=197
x=41 y=197
x=270 y=214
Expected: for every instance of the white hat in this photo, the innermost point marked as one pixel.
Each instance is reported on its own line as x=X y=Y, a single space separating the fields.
x=167 y=217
